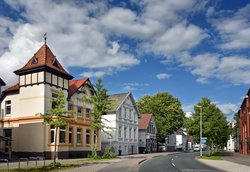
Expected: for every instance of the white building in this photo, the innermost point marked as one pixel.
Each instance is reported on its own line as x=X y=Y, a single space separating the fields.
x=177 y=141
x=231 y=141
x=123 y=119
x=147 y=134
x=40 y=80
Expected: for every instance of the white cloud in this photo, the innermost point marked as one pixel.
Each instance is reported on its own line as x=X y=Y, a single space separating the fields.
x=170 y=42
x=229 y=109
x=233 y=69
x=134 y=86
x=75 y=37
x=97 y=74
x=188 y=107
x=163 y=76
x=234 y=30
x=129 y=88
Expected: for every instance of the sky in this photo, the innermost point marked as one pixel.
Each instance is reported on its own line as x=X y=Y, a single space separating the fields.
x=188 y=48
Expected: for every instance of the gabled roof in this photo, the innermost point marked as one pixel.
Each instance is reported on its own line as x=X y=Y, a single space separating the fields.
x=14 y=88
x=144 y=121
x=119 y=99
x=44 y=59
x=2 y=83
x=74 y=85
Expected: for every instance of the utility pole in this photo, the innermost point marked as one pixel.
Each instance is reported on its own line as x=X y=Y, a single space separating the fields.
x=200 y=129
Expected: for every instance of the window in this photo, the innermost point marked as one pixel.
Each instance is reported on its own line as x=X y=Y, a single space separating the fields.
x=35 y=60
x=120 y=131
x=125 y=132
x=95 y=137
x=79 y=136
x=8 y=107
x=130 y=133
x=120 y=112
x=79 y=111
x=87 y=114
x=70 y=135
x=54 y=96
x=52 y=134
x=130 y=114
x=70 y=107
x=87 y=136
x=62 y=135
x=135 y=133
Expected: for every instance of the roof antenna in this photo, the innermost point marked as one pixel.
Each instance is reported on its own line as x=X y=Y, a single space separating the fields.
x=45 y=37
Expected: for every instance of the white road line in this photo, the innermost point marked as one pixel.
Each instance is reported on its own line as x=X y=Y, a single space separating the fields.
x=173 y=164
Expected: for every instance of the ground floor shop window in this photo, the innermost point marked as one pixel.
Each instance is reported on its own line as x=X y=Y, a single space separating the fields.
x=79 y=136
x=62 y=135
x=87 y=136
x=52 y=134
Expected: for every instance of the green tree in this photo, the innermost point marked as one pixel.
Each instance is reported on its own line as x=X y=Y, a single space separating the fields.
x=166 y=110
x=102 y=105
x=56 y=117
x=214 y=124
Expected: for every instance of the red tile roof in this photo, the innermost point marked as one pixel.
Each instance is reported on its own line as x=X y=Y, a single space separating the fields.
x=144 y=121
x=12 y=88
x=74 y=85
x=44 y=58
x=9 y=90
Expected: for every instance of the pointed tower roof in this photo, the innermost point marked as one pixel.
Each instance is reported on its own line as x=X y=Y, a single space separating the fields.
x=42 y=60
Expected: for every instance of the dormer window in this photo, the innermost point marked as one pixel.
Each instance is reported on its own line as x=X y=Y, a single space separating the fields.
x=35 y=60
x=55 y=63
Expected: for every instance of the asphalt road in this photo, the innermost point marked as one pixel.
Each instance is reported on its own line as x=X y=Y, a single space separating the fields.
x=182 y=162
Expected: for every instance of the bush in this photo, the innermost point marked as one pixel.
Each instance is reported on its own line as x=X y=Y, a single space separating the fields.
x=94 y=154
x=56 y=165
x=109 y=152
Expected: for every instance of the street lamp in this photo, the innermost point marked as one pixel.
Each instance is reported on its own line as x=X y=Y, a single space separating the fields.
x=200 y=129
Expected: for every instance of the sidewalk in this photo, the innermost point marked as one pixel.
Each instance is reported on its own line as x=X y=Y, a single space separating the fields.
x=232 y=162
x=128 y=163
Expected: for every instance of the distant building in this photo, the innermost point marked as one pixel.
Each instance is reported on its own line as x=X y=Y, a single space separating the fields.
x=244 y=125
x=40 y=80
x=123 y=119
x=177 y=141
x=231 y=140
x=147 y=134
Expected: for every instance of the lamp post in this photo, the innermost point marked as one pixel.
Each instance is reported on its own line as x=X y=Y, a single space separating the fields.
x=200 y=129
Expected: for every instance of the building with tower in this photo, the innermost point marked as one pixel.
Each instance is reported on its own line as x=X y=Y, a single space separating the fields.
x=40 y=80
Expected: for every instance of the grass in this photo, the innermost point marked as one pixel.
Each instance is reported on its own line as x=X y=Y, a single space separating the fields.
x=44 y=168
x=214 y=156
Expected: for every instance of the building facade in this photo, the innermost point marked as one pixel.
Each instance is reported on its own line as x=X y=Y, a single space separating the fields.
x=177 y=140
x=40 y=80
x=244 y=125
x=147 y=134
x=123 y=123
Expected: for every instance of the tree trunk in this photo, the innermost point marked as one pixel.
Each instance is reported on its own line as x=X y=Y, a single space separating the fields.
x=55 y=148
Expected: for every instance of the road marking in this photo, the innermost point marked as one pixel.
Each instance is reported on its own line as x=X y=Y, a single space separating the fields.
x=173 y=164
x=172 y=159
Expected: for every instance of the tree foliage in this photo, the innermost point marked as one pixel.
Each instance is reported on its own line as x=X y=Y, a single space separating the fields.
x=57 y=117
x=102 y=105
x=166 y=110
x=214 y=124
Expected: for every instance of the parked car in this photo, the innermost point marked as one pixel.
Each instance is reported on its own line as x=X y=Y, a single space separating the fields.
x=196 y=147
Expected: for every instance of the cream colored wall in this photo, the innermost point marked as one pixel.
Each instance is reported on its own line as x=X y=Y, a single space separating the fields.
x=48 y=96
x=28 y=138
x=31 y=100
x=15 y=106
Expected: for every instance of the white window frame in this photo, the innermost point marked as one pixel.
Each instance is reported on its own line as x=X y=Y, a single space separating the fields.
x=7 y=104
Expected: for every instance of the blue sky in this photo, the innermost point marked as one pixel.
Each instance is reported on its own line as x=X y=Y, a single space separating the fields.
x=188 y=48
